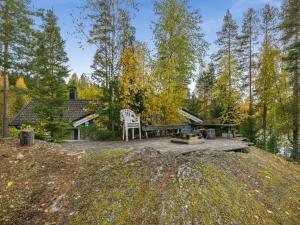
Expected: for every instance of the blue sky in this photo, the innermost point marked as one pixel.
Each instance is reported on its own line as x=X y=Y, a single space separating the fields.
x=212 y=12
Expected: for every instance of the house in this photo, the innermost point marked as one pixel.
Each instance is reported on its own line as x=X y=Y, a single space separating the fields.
x=76 y=113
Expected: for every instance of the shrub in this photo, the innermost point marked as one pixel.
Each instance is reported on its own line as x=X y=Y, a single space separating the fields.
x=13 y=132
x=249 y=128
x=99 y=134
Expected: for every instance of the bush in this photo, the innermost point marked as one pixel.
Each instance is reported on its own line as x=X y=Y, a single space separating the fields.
x=99 y=134
x=249 y=128
x=13 y=132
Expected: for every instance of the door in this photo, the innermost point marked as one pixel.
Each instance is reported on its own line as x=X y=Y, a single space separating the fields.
x=76 y=134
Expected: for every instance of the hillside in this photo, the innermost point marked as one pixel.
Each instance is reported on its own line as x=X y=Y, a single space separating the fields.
x=44 y=185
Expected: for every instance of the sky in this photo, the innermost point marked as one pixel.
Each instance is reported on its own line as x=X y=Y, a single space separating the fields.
x=212 y=12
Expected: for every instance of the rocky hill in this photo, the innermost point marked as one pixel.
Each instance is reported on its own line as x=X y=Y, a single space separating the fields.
x=44 y=185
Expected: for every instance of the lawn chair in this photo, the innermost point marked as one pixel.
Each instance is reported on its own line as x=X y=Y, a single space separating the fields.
x=130 y=121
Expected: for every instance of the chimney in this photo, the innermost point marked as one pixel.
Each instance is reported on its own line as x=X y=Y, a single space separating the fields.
x=73 y=94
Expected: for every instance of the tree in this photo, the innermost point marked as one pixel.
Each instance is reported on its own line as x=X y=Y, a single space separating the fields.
x=266 y=89
x=227 y=92
x=248 y=42
x=180 y=47
x=228 y=43
x=291 y=38
x=204 y=88
x=227 y=97
x=110 y=32
x=134 y=81
x=51 y=60
x=21 y=98
x=268 y=70
x=15 y=35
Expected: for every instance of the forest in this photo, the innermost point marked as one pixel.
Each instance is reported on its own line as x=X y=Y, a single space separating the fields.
x=253 y=79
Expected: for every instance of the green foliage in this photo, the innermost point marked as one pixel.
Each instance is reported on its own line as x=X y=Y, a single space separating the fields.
x=15 y=46
x=13 y=132
x=249 y=127
x=291 y=28
x=180 y=47
x=134 y=81
x=15 y=35
x=49 y=93
x=111 y=33
x=205 y=85
x=227 y=93
x=98 y=134
x=248 y=41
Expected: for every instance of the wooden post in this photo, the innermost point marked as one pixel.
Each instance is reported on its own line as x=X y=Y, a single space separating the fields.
x=26 y=137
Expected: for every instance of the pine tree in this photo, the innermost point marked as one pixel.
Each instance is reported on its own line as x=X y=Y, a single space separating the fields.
x=15 y=35
x=227 y=92
x=110 y=32
x=180 y=47
x=291 y=38
x=227 y=40
x=269 y=24
x=51 y=60
x=204 y=89
x=248 y=42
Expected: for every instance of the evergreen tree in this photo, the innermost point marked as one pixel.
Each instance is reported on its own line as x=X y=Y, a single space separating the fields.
x=227 y=92
x=269 y=24
x=291 y=38
x=51 y=60
x=227 y=40
x=248 y=42
x=180 y=47
x=110 y=32
x=204 y=89
x=15 y=35
x=73 y=82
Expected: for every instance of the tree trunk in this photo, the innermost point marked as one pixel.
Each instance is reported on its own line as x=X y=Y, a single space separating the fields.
x=264 y=125
x=5 y=133
x=296 y=102
x=250 y=75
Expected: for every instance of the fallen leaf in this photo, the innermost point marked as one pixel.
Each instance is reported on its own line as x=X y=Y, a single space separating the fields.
x=9 y=184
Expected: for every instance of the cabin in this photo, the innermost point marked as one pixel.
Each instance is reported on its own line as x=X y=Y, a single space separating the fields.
x=76 y=114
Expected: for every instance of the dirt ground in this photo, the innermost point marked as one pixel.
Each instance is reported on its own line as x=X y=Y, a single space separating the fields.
x=48 y=184
x=31 y=179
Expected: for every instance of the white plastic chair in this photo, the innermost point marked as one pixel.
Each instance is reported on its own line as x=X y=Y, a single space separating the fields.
x=130 y=121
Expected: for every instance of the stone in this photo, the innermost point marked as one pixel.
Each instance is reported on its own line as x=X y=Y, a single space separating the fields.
x=20 y=156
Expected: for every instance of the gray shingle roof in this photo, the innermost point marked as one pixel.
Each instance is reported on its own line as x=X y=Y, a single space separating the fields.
x=75 y=110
